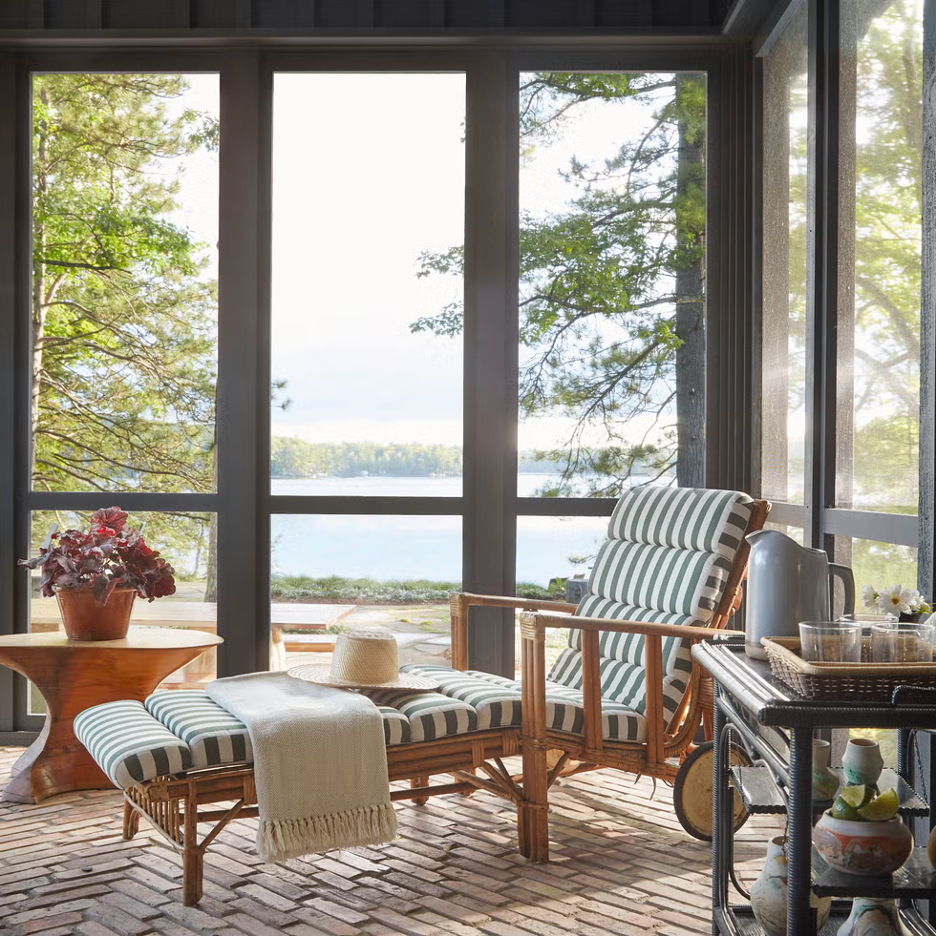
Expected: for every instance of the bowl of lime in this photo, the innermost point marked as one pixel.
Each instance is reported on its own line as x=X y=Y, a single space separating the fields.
x=862 y=834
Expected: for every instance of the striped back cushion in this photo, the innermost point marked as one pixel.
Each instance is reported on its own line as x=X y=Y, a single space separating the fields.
x=666 y=561
x=129 y=745
x=670 y=549
x=684 y=518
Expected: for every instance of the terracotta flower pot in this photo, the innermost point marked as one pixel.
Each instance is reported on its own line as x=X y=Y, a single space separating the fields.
x=863 y=848
x=85 y=619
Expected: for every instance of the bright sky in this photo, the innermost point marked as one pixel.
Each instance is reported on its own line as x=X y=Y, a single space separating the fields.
x=368 y=171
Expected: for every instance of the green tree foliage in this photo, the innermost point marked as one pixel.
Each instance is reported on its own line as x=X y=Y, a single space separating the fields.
x=295 y=458
x=599 y=282
x=888 y=207
x=123 y=311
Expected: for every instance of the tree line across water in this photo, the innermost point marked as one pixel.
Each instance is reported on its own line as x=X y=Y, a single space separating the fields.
x=291 y=457
x=295 y=458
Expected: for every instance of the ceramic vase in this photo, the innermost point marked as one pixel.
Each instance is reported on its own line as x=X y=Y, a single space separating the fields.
x=769 y=893
x=825 y=781
x=873 y=916
x=869 y=849
x=862 y=762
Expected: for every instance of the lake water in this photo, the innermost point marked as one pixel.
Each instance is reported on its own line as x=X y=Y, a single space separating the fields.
x=408 y=547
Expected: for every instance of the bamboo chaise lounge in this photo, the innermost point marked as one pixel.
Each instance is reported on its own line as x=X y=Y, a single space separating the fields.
x=181 y=760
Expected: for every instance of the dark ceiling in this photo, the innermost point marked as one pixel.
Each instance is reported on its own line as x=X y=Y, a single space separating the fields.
x=356 y=16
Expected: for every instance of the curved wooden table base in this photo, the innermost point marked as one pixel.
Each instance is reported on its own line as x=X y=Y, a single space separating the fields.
x=73 y=676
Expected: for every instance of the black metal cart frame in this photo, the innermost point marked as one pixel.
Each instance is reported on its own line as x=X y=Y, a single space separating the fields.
x=748 y=700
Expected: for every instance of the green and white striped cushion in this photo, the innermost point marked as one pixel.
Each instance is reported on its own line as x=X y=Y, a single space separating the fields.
x=129 y=745
x=498 y=698
x=214 y=736
x=659 y=578
x=430 y=715
x=396 y=726
x=684 y=518
x=667 y=561
x=497 y=704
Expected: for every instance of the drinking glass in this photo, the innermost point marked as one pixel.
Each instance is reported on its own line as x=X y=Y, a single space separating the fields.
x=901 y=642
x=866 y=619
x=830 y=641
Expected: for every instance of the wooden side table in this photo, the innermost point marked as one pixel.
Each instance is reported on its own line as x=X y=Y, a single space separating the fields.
x=74 y=675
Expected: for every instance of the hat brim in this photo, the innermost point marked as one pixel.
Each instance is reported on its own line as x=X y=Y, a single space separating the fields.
x=321 y=674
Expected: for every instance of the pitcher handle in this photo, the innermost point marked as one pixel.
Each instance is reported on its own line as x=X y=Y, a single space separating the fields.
x=848 y=583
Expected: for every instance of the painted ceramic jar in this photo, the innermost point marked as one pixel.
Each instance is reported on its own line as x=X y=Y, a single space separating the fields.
x=863 y=848
x=873 y=916
x=769 y=893
x=825 y=781
x=862 y=762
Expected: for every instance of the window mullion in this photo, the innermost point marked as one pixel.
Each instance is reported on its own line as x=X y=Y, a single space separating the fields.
x=491 y=350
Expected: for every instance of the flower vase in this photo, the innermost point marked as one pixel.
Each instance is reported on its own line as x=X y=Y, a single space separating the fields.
x=862 y=762
x=873 y=916
x=825 y=781
x=769 y=893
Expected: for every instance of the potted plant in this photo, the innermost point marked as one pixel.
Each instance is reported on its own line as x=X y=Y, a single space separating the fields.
x=96 y=575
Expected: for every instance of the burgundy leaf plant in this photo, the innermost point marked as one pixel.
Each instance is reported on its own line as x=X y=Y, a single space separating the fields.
x=109 y=555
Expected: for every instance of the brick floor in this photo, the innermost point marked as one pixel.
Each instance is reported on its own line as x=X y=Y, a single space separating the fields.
x=621 y=866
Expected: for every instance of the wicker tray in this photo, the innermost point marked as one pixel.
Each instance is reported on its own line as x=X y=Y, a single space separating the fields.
x=864 y=682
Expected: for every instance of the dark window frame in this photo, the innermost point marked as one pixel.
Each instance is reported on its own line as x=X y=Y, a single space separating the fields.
x=489 y=505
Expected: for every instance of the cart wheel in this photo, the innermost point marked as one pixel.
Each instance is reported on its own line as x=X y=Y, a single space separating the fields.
x=692 y=792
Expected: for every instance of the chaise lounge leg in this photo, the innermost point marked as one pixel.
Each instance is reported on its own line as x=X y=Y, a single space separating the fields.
x=131 y=821
x=193 y=861
x=532 y=811
x=415 y=784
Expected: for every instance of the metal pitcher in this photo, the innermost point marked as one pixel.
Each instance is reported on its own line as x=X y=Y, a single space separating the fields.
x=788 y=583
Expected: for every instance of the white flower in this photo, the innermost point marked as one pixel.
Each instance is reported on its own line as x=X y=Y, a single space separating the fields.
x=894 y=600
x=869 y=596
x=915 y=600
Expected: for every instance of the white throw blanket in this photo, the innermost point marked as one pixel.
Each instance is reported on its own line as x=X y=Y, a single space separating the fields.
x=320 y=763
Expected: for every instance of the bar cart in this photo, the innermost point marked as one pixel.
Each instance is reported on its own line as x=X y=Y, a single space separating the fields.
x=775 y=726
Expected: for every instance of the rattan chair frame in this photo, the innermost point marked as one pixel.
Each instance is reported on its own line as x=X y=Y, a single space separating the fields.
x=666 y=743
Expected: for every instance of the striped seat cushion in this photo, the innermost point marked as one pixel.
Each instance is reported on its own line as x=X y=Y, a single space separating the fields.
x=425 y=716
x=129 y=745
x=497 y=700
x=496 y=705
x=214 y=736
x=396 y=726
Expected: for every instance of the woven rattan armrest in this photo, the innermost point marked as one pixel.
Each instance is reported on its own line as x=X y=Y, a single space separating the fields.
x=460 y=602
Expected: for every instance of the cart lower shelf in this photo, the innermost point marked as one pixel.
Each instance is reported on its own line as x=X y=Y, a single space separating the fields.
x=739 y=921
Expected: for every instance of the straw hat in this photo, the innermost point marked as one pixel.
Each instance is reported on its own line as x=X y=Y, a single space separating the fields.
x=363 y=660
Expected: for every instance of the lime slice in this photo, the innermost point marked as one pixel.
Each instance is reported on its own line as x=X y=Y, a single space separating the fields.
x=842 y=810
x=881 y=808
x=856 y=795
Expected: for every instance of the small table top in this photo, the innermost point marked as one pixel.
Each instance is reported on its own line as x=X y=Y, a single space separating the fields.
x=138 y=638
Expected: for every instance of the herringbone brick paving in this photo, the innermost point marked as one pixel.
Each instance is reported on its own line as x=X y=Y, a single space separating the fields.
x=621 y=866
